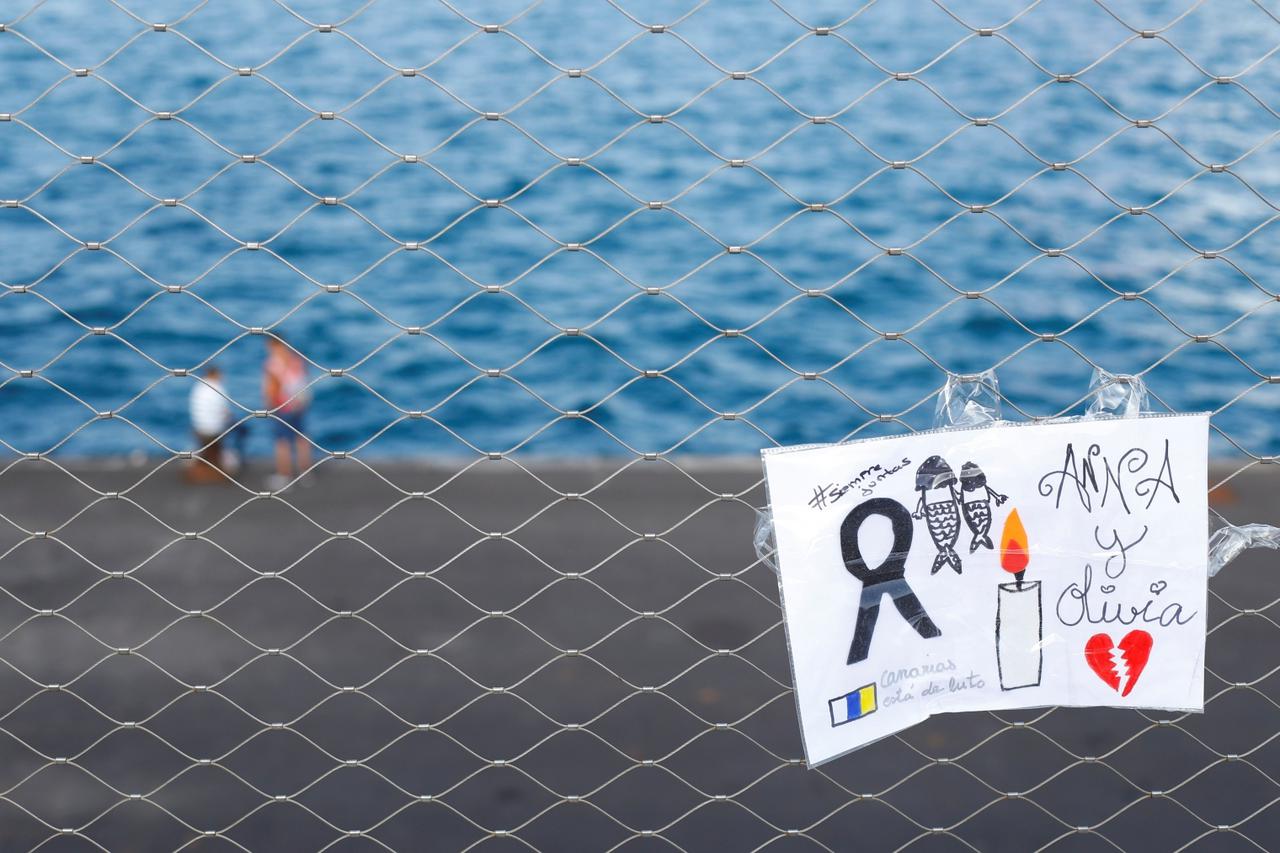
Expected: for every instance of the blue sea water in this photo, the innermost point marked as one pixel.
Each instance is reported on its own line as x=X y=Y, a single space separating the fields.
x=653 y=288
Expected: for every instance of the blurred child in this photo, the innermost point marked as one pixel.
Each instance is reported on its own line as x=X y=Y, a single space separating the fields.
x=211 y=421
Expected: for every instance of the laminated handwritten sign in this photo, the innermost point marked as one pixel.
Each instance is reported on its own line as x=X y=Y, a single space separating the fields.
x=1008 y=566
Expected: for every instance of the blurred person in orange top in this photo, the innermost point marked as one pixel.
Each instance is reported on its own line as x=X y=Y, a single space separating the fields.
x=284 y=385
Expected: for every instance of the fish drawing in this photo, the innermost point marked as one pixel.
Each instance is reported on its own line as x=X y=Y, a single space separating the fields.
x=940 y=509
x=975 y=505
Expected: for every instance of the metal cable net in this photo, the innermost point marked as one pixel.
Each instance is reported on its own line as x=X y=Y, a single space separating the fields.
x=490 y=647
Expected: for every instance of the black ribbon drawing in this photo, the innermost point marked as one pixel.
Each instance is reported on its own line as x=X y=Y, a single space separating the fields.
x=886 y=578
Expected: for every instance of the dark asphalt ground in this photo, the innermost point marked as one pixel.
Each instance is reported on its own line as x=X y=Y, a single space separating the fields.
x=449 y=680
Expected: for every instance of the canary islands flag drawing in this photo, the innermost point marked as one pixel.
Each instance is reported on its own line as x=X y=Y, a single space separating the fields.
x=852 y=706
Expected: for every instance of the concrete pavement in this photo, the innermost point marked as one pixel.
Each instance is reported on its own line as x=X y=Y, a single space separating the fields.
x=428 y=655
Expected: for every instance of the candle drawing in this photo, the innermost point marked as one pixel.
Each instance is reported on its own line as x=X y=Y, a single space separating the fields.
x=1019 y=615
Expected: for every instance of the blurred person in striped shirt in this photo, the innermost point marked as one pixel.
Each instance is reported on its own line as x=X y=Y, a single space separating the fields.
x=213 y=425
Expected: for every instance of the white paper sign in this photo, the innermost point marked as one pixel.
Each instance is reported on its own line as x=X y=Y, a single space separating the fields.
x=1009 y=566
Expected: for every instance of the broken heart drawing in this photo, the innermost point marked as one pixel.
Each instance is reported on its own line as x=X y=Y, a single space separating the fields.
x=1119 y=664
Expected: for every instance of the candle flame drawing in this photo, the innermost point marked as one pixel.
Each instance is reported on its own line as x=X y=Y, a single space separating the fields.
x=1014 y=549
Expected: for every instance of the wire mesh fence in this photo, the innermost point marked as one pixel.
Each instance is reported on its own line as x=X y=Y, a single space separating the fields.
x=545 y=265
